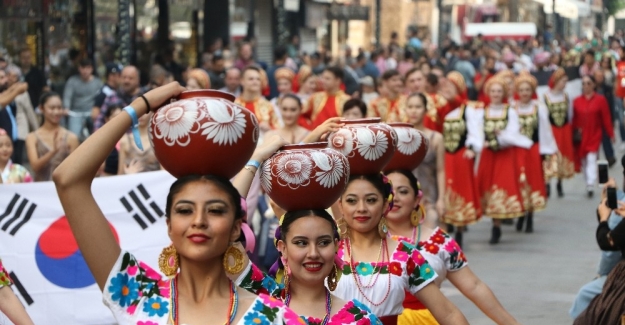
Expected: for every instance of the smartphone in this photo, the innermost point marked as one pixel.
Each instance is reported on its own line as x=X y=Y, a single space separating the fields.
x=602 y=165
x=612 y=203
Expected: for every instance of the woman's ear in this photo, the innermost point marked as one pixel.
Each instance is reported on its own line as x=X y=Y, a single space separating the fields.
x=168 y=221
x=281 y=248
x=236 y=230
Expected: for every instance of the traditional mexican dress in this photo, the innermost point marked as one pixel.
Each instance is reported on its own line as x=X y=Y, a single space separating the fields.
x=437 y=108
x=444 y=255
x=406 y=270
x=461 y=131
x=535 y=125
x=353 y=312
x=389 y=110
x=137 y=294
x=14 y=173
x=561 y=165
x=264 y=111
x=322 y=106
x=498 y=172
x=5 y=280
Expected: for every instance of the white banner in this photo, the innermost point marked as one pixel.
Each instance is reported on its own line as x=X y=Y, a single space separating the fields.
x=39 y=251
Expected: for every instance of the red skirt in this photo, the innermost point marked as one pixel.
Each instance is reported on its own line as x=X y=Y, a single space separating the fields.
x=499 y=185
x=531 y=178
x=462 y=201
x=561 y=165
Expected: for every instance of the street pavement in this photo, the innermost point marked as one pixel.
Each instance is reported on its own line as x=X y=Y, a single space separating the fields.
x=537 y=276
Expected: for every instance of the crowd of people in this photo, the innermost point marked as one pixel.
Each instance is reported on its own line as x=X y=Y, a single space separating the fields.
x=494 y=146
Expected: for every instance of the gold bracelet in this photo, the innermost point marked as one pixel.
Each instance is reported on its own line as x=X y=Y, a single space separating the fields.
x=249 y=168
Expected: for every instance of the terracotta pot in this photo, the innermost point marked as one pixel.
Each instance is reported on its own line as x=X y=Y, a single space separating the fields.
x=368 y=144
x=305 y=176
x=203 y=132
x=412 y=145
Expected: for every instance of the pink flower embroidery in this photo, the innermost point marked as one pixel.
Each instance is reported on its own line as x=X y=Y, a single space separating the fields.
x=132 y=270
x=271 y=301
x=452 y=246
x=131 y=309
x=291 y=318
x=146 y=323
x=149 y=272
x=257 y=275
x=163 y=287
x=400 y=256
x=364 y=321
x=344 y=316
x=418 y=258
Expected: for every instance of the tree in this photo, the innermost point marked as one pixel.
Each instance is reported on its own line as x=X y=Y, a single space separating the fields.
x=614 y=6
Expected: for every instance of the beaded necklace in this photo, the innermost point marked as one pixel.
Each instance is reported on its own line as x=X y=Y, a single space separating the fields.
x=326 y=318
x=173 y=316
x=359 y=284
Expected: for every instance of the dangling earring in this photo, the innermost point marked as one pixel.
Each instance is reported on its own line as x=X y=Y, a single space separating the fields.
x=168 y=261
x=333 y=278
x=382 y=227
x=342 y=225
x=287 y=280
x=416 y=216
x=237 y=257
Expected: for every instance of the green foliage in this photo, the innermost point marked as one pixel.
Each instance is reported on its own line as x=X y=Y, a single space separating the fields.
x=614 y=6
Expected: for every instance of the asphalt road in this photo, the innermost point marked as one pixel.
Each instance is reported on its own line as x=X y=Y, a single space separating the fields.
x=536 y=276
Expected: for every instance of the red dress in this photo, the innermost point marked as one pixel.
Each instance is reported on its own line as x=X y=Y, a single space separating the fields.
x=462 y=201
x=591 y=116
x=389 y=110
x=437 y=108
x=531 y=178
x=560 y=166
x=321 y=107
x=498 y=175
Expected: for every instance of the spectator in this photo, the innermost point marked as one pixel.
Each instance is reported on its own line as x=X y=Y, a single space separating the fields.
x=198 y=79
x=406 y=64
x=129 y=90
x=293 y=47
x=25 y=117
x=7 y=111
x=113 y=71
x=50 y=144
x=217 y=71
x=317 y=64
x=307 y=82
x=233 y=82
x=368 y=91
x=10 y=173
x=79 y=96
x=466 y=69
x=279 y=56
x=34 y=77
x=133 y=160
x=245 y=58
x=590 y=64
x=111 y=165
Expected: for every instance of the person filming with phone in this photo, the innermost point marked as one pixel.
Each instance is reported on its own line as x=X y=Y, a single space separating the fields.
x=609 y=306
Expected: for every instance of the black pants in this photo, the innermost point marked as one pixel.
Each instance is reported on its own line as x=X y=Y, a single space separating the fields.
x=18 y=152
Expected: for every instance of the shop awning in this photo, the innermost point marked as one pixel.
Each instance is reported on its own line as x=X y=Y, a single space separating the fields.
x=571 y=9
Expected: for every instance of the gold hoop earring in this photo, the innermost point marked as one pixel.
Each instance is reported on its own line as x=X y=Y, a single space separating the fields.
x=382 y=229
x=342 y=225
x=333 y=278
x=416 y=216
x=168 y=261
x=234 y=254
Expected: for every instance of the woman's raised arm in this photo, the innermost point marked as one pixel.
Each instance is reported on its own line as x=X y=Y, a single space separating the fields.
x=73 y=180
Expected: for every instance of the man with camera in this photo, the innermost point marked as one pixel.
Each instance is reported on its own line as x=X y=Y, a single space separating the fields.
x=602 y=301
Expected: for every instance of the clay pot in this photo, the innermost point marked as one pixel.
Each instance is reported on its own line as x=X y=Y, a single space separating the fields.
x=412 y=145
x=203 y=132
x=305 y=176
x=368 y=144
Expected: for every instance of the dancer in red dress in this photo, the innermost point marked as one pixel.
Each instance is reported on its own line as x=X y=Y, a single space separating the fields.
x=534 y=120
x=498 y=173
x=560 y=165
x=591 y=116
x=325 y=104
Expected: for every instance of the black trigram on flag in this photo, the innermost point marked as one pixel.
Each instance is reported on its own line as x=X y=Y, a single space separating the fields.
x=17 y=213
x=143 y=216
x=20 y=288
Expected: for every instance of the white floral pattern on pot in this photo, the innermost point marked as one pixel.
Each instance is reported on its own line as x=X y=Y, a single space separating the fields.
x=174 y=122
x=371 y=145
x=227 y=122
x=409 y=140
x=265 y=175
x=332 y=167
x=342 y=141
x=293 y=170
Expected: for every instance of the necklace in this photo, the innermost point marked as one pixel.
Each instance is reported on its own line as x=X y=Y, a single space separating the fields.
x=232 y=310
x=418 y=239
x=326 y=318
x=359 y=284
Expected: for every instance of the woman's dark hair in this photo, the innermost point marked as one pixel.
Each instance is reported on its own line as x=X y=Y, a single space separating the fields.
x=377 y=180
x=432 y=79
x=292 y=216
x=293 y=97
x=412 y=179
x=222 y=183
x=424 y=99
x=355 y=102
x=46 y=96
x=110 y=108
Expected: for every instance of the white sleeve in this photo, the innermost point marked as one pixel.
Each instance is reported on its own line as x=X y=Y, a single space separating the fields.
x=475 y=128
x=511 y=135
x=547 y=143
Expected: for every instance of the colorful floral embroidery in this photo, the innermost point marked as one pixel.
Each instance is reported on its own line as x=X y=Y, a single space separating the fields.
x=5 y=280
x=447 y=249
